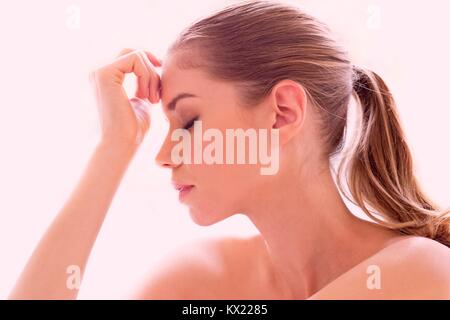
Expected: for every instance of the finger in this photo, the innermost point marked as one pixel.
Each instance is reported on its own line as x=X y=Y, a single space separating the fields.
x=140 y=82
x=157 y=62
x=132 y=62
x=154 y=78
x=143 y=82
x=154 y=60
x=124 y=52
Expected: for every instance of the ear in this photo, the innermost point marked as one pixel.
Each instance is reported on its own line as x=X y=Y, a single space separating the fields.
x=289 y=102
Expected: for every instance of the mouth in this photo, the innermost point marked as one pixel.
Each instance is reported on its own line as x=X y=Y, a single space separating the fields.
x=183 y=189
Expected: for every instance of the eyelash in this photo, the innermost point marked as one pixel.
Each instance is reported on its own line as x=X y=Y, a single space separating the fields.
x=190 y=123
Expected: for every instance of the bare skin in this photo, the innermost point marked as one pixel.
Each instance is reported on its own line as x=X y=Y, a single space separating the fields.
x=70 y=238
x=243 y=270
x=310 y=245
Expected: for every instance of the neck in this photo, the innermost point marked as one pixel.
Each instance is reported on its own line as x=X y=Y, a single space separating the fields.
x=310 y=234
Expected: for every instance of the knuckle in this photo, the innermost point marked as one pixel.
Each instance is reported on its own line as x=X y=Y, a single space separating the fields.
x=146 y=75
x=154 y=77
x=140 y=52
x=125 y=51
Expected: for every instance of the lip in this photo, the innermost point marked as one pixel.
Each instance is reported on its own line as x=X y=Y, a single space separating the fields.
x=184 y=189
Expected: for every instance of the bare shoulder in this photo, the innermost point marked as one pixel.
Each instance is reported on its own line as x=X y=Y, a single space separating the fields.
x=410 y=268
x=213 y=268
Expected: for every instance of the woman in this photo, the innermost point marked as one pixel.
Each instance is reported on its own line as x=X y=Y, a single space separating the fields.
x=269 y=66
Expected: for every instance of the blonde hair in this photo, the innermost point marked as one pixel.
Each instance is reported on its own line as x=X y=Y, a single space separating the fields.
x=256 y=44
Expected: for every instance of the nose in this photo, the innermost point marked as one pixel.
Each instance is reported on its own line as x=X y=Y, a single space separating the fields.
x=163 y=158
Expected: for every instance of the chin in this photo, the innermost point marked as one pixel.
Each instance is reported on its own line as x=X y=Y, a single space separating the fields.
x=205 y=218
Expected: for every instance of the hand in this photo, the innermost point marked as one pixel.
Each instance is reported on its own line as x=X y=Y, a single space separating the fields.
x=125 y=121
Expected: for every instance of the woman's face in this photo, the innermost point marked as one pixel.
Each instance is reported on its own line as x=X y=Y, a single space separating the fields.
x=220 y=190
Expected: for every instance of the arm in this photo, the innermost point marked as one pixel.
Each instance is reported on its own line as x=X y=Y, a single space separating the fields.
x=70 y=238
x=57 y=264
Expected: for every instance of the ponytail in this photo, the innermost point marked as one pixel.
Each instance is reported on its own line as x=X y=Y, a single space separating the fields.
x=380 y=167
x=273 y=41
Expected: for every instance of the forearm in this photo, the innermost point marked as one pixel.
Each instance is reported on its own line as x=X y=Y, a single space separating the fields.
x=70 y=238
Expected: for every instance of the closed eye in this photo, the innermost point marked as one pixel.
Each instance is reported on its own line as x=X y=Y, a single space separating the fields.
x=190 y=123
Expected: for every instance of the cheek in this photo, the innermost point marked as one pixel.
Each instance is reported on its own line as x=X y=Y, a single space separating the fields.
x=227 y=182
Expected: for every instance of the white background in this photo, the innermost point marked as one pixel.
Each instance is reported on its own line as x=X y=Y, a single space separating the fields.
x=49 y=124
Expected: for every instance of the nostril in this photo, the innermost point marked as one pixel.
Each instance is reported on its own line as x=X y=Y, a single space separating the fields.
x=164 y=157
x=163 y=164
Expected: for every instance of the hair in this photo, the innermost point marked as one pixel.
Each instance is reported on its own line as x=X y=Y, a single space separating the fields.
x=256 y=44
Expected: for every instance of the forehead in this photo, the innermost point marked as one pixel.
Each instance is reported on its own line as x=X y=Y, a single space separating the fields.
x=175 y=81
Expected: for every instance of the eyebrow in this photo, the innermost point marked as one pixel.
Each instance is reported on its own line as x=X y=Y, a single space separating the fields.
x=173 y=104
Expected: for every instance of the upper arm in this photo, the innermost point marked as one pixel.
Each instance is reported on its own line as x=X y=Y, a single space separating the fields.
x=417 y=269
x=191 y=272
x=183 y=282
